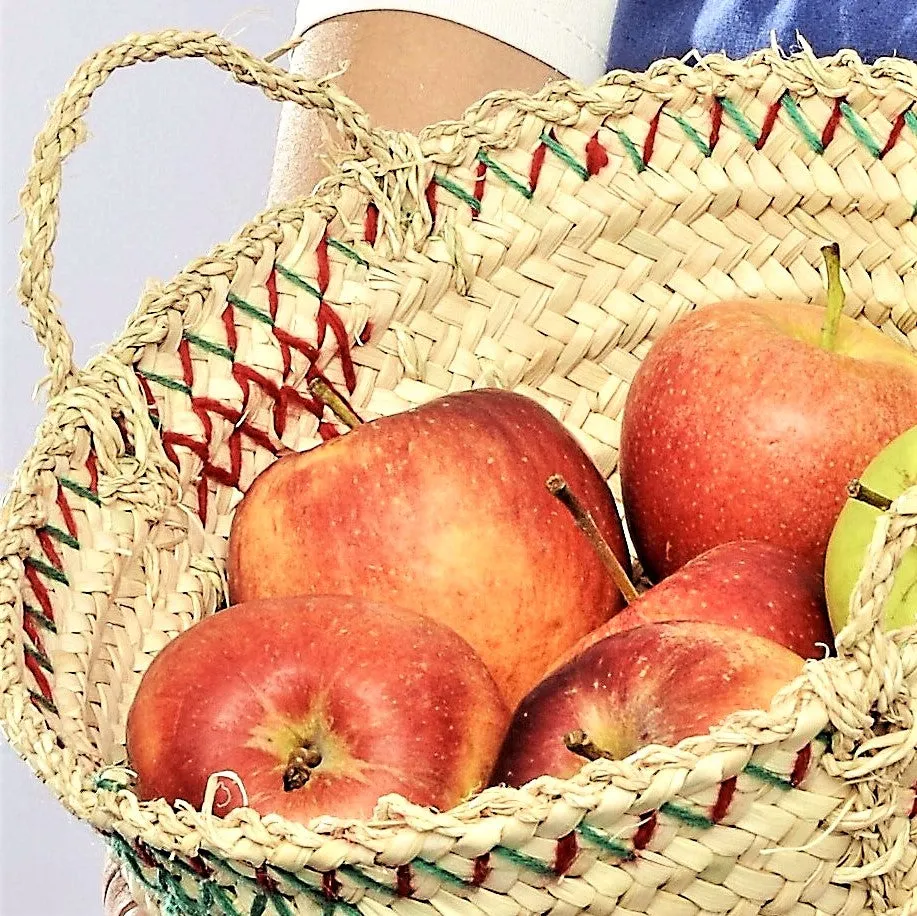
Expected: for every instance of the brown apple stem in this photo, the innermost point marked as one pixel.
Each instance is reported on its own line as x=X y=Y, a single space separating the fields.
x=299 y=769
x=832 y=256
x=585 y=522
x=335 y=403
x=581 y=744
x=858 y=490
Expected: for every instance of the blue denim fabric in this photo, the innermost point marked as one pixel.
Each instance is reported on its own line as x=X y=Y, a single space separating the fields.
x=646 y=30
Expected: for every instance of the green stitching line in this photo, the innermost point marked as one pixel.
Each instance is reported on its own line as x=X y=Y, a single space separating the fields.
x=40 y=657
x=107 y=785
x=63 y=536
x=80 y=490
x=222 y=898
x=631 y=149
x=52 y=572
x=249 y=309
x=166 y=382
x=119 y=844
x=40 y=618
x=459 y=192
x=44 y=702
x=431 y=868
x=604 y=842
x=565 y=156
x=911 y=120
x=740 y=120
x=802 y=124
x=768 y=776
x=297 y=280
x=317 y=895
x=860 y=130
x=177 y=896
x=686 y=815
x=210 y=346
x=691 y=133
x=505 y=176
x=523 y=861
x=347 y=251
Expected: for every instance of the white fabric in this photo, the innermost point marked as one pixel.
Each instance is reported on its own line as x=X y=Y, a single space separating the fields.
x=569 y=35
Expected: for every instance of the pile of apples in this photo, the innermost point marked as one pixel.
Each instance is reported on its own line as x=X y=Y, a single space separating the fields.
x=441 y=600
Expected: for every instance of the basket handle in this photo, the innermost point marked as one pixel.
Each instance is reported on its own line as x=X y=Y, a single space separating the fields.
x=65 y=129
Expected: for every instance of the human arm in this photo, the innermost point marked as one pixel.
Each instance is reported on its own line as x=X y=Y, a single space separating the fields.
x=405 y=69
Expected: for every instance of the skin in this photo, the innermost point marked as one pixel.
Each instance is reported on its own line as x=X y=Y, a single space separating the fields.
x=739 y=426
x=750 y=585
x=654 y=684
x=405 y=69
x=443 y=510
x=890 y=473
x=393 y=702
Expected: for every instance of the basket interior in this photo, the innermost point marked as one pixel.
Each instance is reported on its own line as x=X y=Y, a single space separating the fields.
x=547 y=266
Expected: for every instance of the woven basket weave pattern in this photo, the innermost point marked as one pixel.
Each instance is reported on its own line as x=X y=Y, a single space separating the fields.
x=541 y=244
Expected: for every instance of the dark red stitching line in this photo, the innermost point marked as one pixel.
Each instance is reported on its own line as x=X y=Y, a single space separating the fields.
x=649 y=144
x=404 y=881
x=724 y=799
x=371 y=222
x=716 y=122
x=645 y=831
x=565 y=853
x=36 y=671
x=535 y=167
x=331 y=887
x=47 y=545
x=41 y=593
x=265 y=881
x=481 y=870
x=831 y=127
x=895 y=134
x=480 y=181
x=596 y=155
x=801 y=766
x=769 y=120
x=430 y=195
x=93 y=468
x=64 y=507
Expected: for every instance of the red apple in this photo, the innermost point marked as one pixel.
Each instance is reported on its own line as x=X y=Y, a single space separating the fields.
x=750 y=585
x=441 y=509
x=740 y=424
x=320 y=705
x=654 y=684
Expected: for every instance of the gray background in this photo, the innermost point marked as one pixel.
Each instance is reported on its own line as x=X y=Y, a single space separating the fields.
x=178 y=158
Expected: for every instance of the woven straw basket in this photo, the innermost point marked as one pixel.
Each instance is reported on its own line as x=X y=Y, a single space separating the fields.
x=541 y=244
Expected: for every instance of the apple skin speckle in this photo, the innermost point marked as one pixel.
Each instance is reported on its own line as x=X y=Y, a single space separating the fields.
x=640 y=686
x=461 y=522
x=767 y=435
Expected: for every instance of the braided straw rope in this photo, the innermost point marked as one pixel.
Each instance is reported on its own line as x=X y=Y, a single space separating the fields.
x=541 y=243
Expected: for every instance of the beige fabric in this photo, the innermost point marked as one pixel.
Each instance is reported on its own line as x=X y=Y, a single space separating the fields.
x=117 y=520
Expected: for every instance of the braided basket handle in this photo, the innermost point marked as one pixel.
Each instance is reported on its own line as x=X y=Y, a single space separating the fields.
x=65 y=129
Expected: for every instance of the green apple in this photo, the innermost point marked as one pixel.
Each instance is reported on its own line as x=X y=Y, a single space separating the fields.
x=888 y=475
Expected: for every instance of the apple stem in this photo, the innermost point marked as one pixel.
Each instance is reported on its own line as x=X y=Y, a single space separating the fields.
x=858 y=490
x=299 y=769
x=832 y=256
x=581 y=744
x=332 y=400
x=558 y=487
